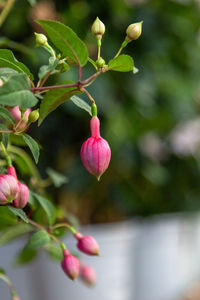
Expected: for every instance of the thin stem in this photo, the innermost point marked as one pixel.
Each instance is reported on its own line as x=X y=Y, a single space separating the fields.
x=91 y=77
x=45 y=78
x=7 y=157
x=6 y=11
x=88 y=94
x=71 y=228
x=119 y=51
x=54 y=87
x=99 y=52
x=39 y=226
x=6 y=131
x=9 y=283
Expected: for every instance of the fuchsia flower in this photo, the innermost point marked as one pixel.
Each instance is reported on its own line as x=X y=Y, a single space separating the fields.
x=9 y=188
x=95 y=151
x=22 y=198
x=70 y=265
x=16 y=113
x=87 y=274
x=87 y=244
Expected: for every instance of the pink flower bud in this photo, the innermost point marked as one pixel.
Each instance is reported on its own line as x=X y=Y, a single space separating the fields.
x=16 y=113
x=70 y=265
x=95 y=151
x=87 y=274
x=22 y=198
x=87 y=244
x=9 y=188
x=16 y=298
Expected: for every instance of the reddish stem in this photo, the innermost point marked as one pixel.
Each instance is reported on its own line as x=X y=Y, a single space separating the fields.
x=54 y=87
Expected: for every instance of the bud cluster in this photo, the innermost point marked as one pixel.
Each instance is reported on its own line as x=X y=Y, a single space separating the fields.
x=71 y=265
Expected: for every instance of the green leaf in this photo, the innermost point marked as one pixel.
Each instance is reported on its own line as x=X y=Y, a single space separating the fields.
x=57 y=178
x=47 y=206
x=25 y=256
x=6 y=217
x=54 y=251
x=53 y=99
x=81 y=103
x=6 y=73
x=122 y=63
x=13 y=232
x=19 y=213
x=16 y=91
x=6 y=115
x=38 y=239
x=8 y=60
x=66 y=40
x=33 y=145
x=4 y=135
x=53 y=62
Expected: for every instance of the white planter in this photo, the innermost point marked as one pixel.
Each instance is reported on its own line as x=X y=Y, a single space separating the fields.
x=152 y=259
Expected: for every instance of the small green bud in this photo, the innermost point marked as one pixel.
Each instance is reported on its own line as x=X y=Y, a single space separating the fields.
x=98 y=28
x=33 y=116
x=134 y=31
x=41 y=39
x=100 y=62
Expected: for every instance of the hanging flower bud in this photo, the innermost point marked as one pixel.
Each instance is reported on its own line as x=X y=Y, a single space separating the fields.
x=87 y=244
x=16 y=113
x=98 y=28
x=1 y=82
x=70 y=265
x=87 y=274
x=134 y=31
x=9 y=188
x=22 y=198
x=41 y=39
x=95 y=151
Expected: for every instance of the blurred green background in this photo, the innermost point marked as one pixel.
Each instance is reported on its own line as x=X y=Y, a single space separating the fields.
x=151 y=119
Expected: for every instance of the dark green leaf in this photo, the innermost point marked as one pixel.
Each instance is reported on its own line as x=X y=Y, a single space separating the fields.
x=33 y=145
x=53 y=62
x=38 y=239
x=25 y=256
x=13 y=232
x=81 y=103
x=53 y=99
x=4 y=135
x=122 y=63
x=66 y=40
x=8 y=60
x=54 y=251
x=47 y=206
x=6 y=115
x=16 y=91
x=19 y=213
x=57 y=178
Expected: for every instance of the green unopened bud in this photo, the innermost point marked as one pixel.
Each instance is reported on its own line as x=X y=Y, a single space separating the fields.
x=100 y=62
x=98 y=28
x=134 y=31
x=41 y=39
x=33 y=116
